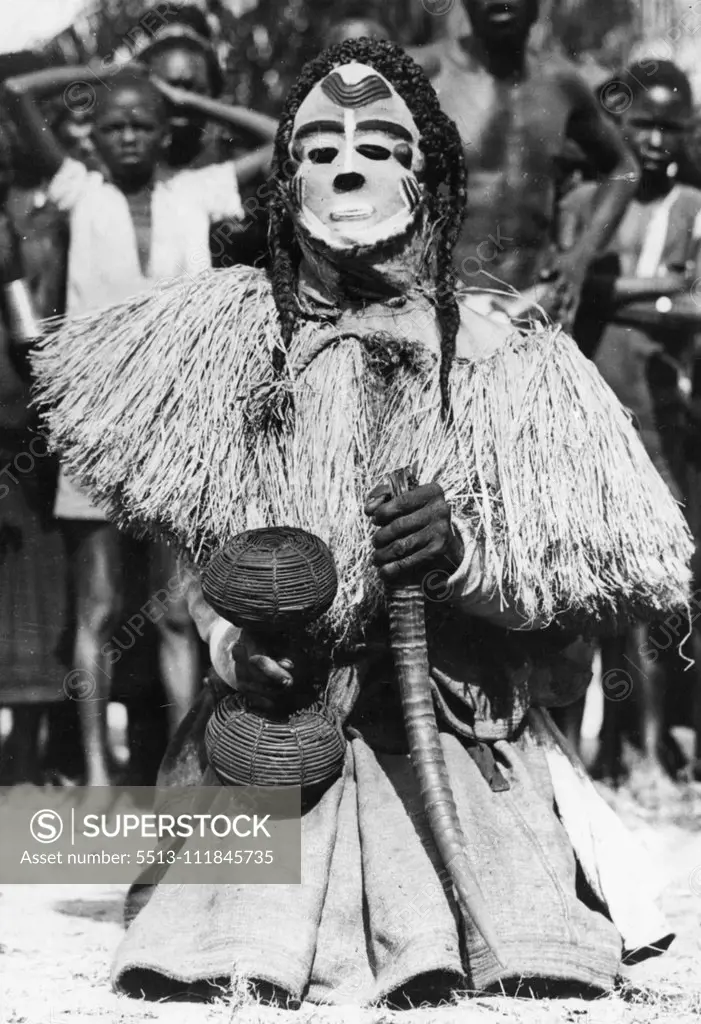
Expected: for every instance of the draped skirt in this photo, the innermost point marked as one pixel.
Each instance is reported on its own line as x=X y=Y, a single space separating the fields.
x=375 y=912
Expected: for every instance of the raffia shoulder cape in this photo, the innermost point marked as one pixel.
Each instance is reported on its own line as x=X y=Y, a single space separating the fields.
x=157 y=407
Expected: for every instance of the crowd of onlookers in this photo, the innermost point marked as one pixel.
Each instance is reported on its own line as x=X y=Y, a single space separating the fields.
x=111 y=182
x=133 y=176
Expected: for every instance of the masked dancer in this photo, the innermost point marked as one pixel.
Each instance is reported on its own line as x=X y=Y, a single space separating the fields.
x=253 y=400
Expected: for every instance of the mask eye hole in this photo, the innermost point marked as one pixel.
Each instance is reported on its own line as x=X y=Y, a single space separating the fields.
x=404 y=154
x=373 y=152
x=323 y=154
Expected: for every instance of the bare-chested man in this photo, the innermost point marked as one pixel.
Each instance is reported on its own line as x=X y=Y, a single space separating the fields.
x=517 y=113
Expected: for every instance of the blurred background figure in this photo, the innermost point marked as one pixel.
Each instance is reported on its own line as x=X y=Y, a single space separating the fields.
x=73 y=128
x=130 y=227
x=647 y=356
x=32 y=561
x=516 y=113
x=180 y=52
x=354 y=23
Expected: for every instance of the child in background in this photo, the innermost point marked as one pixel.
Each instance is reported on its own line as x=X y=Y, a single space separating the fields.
x=135 y=225
x=654 y=256
x=180 y=52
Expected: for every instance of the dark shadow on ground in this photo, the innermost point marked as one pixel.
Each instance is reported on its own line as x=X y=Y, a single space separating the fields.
x=108 y=909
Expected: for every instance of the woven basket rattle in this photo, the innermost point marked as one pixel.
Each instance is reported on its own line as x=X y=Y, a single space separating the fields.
x=273 y=583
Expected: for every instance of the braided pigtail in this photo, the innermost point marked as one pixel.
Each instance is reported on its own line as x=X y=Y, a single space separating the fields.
x=447 y=308
x=283 y=277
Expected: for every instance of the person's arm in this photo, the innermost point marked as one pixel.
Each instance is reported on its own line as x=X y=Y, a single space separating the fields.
x=236 y=656
x=618 y=291
x=602 y=143
x=603 y=146
x=682 y=313
x=635 y=300
x=21 y=94
x=258 y=125
x=605 y=291
x=252 y=164
x=470 y=589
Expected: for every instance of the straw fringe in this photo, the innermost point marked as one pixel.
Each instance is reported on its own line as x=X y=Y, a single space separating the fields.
x=583 y=522
x=155 y=406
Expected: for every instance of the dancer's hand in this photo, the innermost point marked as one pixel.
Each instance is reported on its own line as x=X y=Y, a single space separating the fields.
x=414 y=533
x=241 y=660
x=262 y=679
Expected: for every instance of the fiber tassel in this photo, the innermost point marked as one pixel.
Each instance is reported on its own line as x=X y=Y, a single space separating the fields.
x=572 y=512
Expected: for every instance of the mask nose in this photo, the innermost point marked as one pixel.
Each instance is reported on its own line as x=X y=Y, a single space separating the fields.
x=656 y=138
x=349 y=181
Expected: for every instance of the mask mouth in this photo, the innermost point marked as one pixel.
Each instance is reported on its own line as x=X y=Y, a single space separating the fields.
x=351 y=213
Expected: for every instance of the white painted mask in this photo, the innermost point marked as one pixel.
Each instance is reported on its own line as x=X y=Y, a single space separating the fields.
x=356 y=145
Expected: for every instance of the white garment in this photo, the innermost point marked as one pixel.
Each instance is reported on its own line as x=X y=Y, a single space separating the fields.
x=650 y=259
x=103 y=258
x=613 y=863
x=103 y=261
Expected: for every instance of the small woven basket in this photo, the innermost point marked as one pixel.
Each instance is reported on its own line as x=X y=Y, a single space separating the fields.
x=280 y=577
x=274 y=581
x=248 y=749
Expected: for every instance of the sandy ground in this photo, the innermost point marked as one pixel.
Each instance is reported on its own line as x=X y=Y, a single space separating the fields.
x=57 y=943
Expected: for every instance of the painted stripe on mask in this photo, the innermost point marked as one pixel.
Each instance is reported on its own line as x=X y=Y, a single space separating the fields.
x=411 y=193
x=360 y=94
